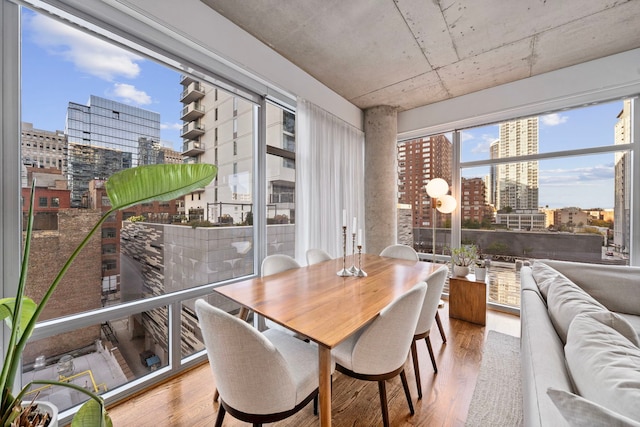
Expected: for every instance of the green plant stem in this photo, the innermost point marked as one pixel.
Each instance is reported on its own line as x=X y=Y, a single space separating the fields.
x=32 y=323
x=8 y=369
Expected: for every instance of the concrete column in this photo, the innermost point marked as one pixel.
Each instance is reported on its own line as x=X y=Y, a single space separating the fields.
x=380 y=177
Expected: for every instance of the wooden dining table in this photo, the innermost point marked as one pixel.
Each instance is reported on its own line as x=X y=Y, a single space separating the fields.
x=317 y=303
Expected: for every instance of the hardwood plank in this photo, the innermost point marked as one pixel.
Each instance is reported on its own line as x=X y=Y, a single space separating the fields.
x=187 y=400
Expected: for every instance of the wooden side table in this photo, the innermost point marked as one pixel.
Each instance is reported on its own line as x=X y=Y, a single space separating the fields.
x=468 y=299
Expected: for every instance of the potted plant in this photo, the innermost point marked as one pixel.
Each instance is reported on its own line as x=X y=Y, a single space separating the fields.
x=480 y=270
x=125 y=188
x=462 y=258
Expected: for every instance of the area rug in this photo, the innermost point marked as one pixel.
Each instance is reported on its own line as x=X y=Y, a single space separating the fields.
x=497 y=398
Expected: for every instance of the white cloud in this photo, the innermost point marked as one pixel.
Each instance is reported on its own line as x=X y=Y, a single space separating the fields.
x=171 y=126
x=576 y=176
x=554 y=119
x=130 y=95
x=88 y=53
x=466 y=136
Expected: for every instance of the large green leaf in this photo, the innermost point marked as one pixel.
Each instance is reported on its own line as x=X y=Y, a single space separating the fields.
x=91 y=414
x=145 y=184
x=7 y=305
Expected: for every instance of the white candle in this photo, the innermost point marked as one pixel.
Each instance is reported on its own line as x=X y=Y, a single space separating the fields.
x=360 y=237
x=344 y=217
x=353 y=229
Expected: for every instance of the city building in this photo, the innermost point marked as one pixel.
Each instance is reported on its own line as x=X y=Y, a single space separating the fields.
x=522 y=220
x=106 y=136
x=156 y=212
x=419 y=161
x=517 y=183
x=51 y=195
x=43 y=148
x=623 y=182
x=570 y=218
x=218 y=129
x=171 y=156
x=473 y=202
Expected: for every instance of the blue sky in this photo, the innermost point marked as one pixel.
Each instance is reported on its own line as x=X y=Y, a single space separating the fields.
x=585 y=181
x=61 y=65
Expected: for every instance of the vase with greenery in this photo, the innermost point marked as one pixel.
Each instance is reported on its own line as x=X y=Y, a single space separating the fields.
x=480 y=270
x=126 y=188
x=462 y=258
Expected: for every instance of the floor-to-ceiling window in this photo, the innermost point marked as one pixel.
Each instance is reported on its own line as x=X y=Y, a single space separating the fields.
x=123 y=316
x=552 y=186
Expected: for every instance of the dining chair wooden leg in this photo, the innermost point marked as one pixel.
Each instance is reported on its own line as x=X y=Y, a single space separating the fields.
x=315 y=405
x=216 y=395
x=439 y=323
x=220 y=417
x=382 y=389
x=433 y=359
x=416 y=367
x=407 y=393
x=244 y=313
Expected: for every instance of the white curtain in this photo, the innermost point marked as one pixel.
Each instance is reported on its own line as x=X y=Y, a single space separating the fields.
x=329 y=180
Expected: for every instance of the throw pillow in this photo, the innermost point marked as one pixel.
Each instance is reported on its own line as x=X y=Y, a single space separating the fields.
x=565 y=301
x=604 y=365
x=544 y=276
x=616 y=322
x=580 y=412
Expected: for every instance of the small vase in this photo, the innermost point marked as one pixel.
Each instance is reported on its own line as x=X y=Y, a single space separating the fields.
x=460 y=271
x=481 y=274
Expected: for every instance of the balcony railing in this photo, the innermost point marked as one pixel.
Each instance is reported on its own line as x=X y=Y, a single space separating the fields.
x=192 y=130
x=192 y=112
x=192 y=148
x=282 y=198
x=192 y=93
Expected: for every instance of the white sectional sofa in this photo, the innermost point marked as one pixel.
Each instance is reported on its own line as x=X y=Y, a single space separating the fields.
x=580 y=344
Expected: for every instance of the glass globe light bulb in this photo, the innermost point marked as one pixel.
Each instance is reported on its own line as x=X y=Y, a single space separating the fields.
x=437 y=187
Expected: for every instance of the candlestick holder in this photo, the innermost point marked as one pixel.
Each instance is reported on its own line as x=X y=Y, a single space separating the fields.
x=344 y=272
x=353 y=269
x=360 y=272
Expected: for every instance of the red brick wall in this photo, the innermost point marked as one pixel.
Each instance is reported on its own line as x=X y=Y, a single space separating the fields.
x=79 y=290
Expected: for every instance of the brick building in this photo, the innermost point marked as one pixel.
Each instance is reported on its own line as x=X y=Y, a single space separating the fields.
x=156 y=212
x=474 y=200
x=419 y=161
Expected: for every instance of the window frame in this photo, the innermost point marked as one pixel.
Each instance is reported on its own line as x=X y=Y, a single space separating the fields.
x=10 y=183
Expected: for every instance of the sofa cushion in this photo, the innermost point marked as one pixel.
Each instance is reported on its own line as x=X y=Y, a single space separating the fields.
x=565 y=300
x=580 y=412
x=633 y=321
x=544 y=276
x=616 y=286
x=604 y=365
x=617 y=323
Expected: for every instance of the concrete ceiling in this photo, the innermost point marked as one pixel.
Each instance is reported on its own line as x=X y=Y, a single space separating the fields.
x=409 y=53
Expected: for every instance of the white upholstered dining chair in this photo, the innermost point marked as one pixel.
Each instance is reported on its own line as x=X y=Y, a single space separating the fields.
x=435 y=283
x=274 y=264
x=261 y=377
x=400 y=252
x=407 y=252
x=378 y=351
x=316 y=255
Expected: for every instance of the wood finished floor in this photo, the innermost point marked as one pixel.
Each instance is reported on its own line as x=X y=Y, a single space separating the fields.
x=186 y=401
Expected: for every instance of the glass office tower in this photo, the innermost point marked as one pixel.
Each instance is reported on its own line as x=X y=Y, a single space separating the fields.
x=107 y=129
